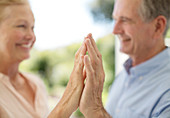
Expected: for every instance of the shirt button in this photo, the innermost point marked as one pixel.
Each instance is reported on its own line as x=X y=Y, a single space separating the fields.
x=140 y=78
x=117 y=110
x=126 y=84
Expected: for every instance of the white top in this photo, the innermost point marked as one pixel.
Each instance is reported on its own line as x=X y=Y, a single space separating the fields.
x=14 y=105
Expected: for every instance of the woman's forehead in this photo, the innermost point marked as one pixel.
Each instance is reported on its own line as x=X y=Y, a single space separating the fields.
x=19 y=12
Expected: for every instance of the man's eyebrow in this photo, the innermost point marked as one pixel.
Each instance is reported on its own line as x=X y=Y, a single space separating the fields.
x=123 y=18
x=126 y=18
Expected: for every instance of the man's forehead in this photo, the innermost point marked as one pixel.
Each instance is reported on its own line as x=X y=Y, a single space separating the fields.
x=126 y=8
x=128 y=0
x=129 y=3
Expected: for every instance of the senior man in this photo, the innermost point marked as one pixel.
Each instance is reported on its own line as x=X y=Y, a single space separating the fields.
x=142 y=89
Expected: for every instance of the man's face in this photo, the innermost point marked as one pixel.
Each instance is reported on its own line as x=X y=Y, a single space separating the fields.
x=135 y=35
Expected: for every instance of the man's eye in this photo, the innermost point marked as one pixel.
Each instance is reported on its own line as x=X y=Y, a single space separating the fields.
x=124 y=20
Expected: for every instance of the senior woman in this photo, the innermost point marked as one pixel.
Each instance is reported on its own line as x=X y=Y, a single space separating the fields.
x=23 y=95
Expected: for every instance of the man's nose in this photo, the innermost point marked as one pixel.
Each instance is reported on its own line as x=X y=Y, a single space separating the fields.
x=117 y=28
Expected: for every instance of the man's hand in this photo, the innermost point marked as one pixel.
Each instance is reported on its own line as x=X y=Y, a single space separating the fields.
x=91 y=100
x=71 y=97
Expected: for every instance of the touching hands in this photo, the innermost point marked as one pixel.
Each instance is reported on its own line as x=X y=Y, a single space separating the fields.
x=84 y=89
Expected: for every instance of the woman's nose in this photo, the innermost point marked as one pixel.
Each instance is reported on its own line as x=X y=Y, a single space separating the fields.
x=30 y=35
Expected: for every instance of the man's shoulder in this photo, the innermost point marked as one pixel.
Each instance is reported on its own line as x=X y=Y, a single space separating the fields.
x=162 y=105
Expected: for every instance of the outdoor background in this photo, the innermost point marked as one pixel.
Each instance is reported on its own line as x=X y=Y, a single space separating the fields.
x=60 y=30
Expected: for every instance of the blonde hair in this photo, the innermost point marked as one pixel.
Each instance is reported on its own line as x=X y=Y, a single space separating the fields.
x=4 y=4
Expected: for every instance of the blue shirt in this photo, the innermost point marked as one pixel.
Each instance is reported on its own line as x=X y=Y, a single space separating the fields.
x=142 y=91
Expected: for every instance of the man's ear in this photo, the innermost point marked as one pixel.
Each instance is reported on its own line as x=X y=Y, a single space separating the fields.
x=160 y=26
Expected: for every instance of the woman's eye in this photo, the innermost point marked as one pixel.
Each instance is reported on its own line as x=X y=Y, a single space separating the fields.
x=21 y=26
x=32 y=28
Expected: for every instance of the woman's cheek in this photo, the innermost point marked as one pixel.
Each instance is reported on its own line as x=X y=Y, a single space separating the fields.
x=18 y=35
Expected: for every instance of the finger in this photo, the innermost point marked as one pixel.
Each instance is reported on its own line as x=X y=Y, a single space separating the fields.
x=78 y=52
x=78 y=69
x=94 y=44
x=83 y=49
x=92 y=53
x=89 y=69
x=84 y=73
x=81 y=64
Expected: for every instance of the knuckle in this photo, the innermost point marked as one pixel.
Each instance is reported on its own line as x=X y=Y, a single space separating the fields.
x=100 y=56
x=103 y=79
x=91 y=73
x=76 y=55
x=80 y=64
x=94 y=62
x=75 y=62
x=77 y=71
x=103 y=74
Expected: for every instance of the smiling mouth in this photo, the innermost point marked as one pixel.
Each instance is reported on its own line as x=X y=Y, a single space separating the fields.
x=124 y=38
x=128 y=39
x=29 y=45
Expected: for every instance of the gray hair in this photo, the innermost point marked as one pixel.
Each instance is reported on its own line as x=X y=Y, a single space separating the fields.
x=150 y=9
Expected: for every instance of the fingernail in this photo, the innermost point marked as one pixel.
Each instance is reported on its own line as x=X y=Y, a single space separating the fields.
x=91 y=36
x=87 y=58
x=83 y=45
x=84 y=38
x=81 y=57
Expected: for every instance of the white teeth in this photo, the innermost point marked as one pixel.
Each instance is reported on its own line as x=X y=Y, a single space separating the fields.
x=124 y=39
x=26 y=45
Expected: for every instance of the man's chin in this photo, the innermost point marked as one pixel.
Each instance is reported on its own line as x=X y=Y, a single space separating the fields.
x=124 y=50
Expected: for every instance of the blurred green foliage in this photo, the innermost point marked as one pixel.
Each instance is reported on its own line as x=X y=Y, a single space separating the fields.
x=55 y=66
x=168 y=34
x=101 y=10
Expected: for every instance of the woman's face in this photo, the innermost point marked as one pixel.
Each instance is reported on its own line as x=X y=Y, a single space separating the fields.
x=17 y=33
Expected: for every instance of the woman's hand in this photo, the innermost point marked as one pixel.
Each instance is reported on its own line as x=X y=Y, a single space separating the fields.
x=71 y=97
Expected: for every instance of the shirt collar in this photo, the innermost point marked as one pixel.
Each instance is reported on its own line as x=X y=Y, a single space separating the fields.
x=128 y=65
x=147 y=66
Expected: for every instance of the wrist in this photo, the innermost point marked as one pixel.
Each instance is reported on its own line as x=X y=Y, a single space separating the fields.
x=100 y=113
x=67 y=104
x=62 y=109
x=59 y=112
